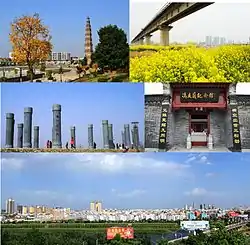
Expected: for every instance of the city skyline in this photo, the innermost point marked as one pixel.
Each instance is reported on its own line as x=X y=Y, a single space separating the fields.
x=126 y=181
x=65 y=21
x=198 y=25
x=121 y=104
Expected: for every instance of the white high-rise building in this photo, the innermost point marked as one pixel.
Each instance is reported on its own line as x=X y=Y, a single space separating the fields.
x=61 y=56
x=10 y=206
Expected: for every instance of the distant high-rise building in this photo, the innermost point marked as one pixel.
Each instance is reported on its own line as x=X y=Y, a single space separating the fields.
x=61 y=56
x=208 y=41
x=96 y=206
x=222 y=40
x=216 y=41
x=88 y=42
x=10 y=206
x=19 y=209
x=25 y=210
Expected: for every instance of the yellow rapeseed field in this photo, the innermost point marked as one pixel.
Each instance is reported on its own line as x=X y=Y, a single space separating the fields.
x=179 y=63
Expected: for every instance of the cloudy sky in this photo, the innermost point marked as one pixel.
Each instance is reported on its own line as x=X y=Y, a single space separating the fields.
x=219 y=19
x=146 y=180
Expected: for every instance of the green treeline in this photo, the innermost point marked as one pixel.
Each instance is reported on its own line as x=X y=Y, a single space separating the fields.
x=35 y=237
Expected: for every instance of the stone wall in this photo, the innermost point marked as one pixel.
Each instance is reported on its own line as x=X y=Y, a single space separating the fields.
x=244 y=118
x=153 y=107
x=218 y=127
x=181 y=128
x=177 y=130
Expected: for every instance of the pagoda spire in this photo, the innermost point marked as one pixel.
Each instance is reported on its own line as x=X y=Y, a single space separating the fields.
x=88 y=42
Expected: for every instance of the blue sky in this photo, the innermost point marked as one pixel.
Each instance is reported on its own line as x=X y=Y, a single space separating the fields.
x=82 y=104
x=66 y=20
x=139 y=180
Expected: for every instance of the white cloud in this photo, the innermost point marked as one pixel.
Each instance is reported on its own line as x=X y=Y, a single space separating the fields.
x=201 y=192
x=198 y=158
x=210 y=174
x=130 y=194
x=133 y=163
x=125 y=163
x=11 y=163
x=197 y=192
x=190 y=159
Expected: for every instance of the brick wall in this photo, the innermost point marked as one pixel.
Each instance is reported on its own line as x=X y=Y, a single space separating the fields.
x=218 y=127
x=153 y=109
x=181 y=126
x=244 y=118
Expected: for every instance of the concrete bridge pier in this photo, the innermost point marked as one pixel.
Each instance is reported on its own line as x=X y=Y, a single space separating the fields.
x=148 y=39
x=141 y=41
x=164 y=34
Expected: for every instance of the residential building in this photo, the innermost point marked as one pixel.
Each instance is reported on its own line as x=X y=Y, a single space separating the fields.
x=10 y=206
x=60 y=56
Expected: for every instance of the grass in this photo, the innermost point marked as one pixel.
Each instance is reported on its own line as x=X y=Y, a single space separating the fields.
x=145 y=228
x=90 y=230
x=79 y=150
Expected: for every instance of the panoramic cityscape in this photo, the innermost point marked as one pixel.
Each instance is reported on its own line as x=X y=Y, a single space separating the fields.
x=203 y=196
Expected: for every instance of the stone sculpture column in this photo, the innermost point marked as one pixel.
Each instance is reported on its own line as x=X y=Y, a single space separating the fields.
x=73 y=134
x=127 y=135
x=136 y=139
x=105 y=134
x=110 y=134
x=27 y=127
x=10 y=122
x=20 y=135
x=90 y=136
x=36 y=137
x=57 y=133
x=123 y=138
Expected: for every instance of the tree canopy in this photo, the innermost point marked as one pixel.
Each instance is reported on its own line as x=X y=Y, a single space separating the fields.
x=30 y=41
x=112 y=51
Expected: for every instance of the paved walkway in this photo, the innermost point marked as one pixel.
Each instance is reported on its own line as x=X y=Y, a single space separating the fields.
x=194 y=149
x=199 y=149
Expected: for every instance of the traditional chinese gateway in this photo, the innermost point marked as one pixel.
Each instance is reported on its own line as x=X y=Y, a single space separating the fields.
x=194 y=116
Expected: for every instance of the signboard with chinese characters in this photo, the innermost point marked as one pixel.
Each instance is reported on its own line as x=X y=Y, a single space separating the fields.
x=124 y=232
x=199 y=95
x=235 y=129
x=195 y=225
x=163 y=128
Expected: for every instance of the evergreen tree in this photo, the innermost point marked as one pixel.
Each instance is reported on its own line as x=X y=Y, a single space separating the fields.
x=112 y=51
